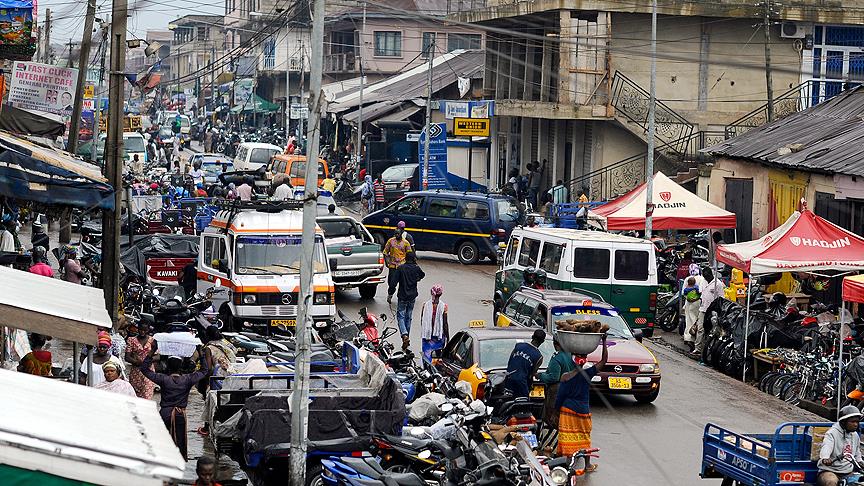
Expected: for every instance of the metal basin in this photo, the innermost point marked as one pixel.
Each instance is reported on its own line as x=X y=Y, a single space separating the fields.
x=578 y=342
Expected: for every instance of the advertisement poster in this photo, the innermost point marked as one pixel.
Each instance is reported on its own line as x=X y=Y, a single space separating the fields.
x=435 y=175
x=42 y=87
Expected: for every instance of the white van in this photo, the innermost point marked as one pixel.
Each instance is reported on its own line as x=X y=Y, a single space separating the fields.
x=619 y=269
x=133 y=144
x=254 y=155
x=254 y=250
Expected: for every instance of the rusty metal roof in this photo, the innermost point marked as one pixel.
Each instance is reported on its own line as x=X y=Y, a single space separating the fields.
x=828 y=137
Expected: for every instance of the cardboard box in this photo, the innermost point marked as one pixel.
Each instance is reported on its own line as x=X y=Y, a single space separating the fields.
x=818 y=438
x=762 y=448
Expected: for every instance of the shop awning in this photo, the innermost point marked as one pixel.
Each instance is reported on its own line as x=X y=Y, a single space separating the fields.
x=36 y=173
x=853 y=288
x=257 y=104
x=400 y=116
x=804 y=243
x=52 y=430
x=51 y=306
x=674 y=208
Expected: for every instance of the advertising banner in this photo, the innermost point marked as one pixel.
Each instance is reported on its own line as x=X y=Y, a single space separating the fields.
x=42 y=87
x=435 y=175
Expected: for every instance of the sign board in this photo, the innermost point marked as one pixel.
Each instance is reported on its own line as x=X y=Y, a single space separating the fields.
x=42 y=87
x=468 y=109
x=242 y=91
x=435 y=173
x=299 y=111
x=88 y=105
x=412 y=137
x=89 y=91
x=471 y=127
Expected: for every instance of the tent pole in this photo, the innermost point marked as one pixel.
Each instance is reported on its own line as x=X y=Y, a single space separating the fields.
x=746 y=329
x=90 y=366
x=76 y=364
x=736 y=235
x=840 y=389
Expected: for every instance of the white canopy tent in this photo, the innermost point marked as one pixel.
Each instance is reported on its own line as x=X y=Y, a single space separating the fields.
x=51 y=307
x=58 y=429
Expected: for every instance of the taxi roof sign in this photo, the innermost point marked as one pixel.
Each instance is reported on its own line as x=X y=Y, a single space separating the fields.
x=477 y=323
x=471 y=127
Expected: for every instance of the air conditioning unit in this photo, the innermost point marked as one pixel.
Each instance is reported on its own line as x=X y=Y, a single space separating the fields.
x=792 y=30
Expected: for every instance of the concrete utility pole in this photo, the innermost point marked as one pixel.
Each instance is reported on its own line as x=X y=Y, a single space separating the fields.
x=649 y=161
x=428 y=128
x=83 y=61
x=103 y=29
x=287 y=80
x=114 y=158
x=69 y=59
x=47 y=53
x=769 y=82
x=360 y=108
x=300 y=395
x=300 y=124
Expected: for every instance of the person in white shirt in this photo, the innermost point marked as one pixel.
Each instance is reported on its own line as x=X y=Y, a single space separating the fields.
x=7 y=240
x=197 y=174
x=709 y=289
x=283 y=191
x=244 y=191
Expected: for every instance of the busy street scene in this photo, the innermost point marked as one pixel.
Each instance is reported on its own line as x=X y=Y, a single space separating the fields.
x=370 y=242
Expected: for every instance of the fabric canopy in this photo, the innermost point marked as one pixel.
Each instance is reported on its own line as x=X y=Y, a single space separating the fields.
x=258 y=104
x=16 y=120
x=674 y=208
x=804 y=243
x=51 y=306
x=36 y=173
x=853 y=288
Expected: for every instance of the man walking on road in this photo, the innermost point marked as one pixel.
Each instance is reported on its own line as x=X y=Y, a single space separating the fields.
x=523 y=364
x=394 y=252
x=406 y=277
x=710 y=289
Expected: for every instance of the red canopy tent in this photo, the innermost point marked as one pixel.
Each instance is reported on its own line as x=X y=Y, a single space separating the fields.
x=853 y=288
x=804 y=243
x=674 y=208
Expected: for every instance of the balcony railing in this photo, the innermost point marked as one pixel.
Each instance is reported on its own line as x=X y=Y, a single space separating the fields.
x=340 y=63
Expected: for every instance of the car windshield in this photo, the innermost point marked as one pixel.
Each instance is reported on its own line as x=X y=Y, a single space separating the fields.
x=617 y=327
x=494 y=353
x=214 y=169
x=339 y=228
x=508 y=211
x=134 y=144
x=279 y=255
x=262 y=155
x=184 y=122
x=397 y=172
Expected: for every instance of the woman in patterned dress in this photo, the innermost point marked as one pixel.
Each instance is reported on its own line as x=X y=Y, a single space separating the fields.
x=138 y=346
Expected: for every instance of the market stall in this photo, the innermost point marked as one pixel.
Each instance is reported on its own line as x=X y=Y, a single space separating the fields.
x=55 y=433
x=804 y=243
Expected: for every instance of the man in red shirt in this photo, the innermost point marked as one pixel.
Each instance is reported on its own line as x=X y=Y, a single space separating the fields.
x=39 y=266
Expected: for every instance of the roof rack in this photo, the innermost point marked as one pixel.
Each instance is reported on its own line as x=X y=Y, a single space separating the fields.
x=235 y=206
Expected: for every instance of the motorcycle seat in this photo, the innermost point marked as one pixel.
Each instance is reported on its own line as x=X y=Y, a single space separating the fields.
x=406 y=442
x=401 y=479
x=365 y=466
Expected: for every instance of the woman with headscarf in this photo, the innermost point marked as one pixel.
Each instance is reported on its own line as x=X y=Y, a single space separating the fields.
x=435 y=331
x=220 y=356
x=138 y=346
x=37 y=361
x=691 y=302
x=113 y=382
x=101 y=355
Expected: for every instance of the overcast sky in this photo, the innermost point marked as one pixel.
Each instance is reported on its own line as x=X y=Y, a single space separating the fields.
x=68 y=15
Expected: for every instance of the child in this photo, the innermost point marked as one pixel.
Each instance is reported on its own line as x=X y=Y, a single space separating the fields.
x=692 y=299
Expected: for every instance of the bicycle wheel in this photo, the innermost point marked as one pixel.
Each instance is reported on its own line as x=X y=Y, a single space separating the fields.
x=772 y=381
x=766 y=379
x=779 y=385
x=792 y=391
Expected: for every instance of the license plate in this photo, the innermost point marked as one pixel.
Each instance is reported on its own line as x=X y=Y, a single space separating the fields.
x=347 y=273
x=620 y=383
x=284 y=322
x=538 y=391
x=530 y=438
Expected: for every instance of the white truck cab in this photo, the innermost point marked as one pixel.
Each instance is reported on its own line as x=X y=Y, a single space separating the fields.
x=254 y=249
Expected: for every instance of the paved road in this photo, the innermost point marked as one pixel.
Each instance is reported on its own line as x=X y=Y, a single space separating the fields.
x=656 y=444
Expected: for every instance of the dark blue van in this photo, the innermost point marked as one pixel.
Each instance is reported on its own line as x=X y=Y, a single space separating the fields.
x=467 y=224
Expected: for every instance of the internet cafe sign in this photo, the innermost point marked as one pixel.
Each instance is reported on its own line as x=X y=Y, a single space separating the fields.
x=42 y=87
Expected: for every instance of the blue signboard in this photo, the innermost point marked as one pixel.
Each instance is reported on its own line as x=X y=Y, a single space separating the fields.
x=435 y=175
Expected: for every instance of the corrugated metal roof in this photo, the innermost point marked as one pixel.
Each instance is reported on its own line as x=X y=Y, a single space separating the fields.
x=412 y=83
x=828 y=137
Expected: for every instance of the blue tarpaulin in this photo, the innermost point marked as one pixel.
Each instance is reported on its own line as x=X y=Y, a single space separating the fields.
x=36 y=173
x=16 y=3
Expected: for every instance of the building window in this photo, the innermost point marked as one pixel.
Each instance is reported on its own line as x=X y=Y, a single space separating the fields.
x=836 y=60
x=270 y=54
x=463 y=41
x=203 y=33
x=388 y=44
x=428 y=39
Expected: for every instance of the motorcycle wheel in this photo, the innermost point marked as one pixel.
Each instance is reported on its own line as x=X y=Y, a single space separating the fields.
x=667 y=319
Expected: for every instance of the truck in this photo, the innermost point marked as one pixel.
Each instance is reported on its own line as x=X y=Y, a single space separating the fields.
x=359 y=260
x=254 y=249
x=788 y=456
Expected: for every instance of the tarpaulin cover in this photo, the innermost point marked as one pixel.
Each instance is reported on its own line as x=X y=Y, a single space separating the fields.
x=265 y=425
x=24 y=122
x=134 y=258
x=35 y=173
x=674 y=208
x=16 y=3
x=853 y=289
x=804 y=243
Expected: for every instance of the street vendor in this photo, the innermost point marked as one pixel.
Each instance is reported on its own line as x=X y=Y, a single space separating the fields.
x=841 y=444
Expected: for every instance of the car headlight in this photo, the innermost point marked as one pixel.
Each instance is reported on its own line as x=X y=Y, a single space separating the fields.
x=320 y=298
x=249 y=299
x=648 y=368
x=558 y=475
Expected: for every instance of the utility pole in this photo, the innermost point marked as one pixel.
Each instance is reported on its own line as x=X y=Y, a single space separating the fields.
x=769 y=83
x=69 y=59
x=47 y=59
x=428 y=128
x=360 y=108
x=103 y=29
x=300 y=124
x=300 y=394
x=649 y=161
x=114 y=158
x=83 y=61
x=287 y=80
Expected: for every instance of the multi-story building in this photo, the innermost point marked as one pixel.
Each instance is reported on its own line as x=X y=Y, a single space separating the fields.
x=571 y=84
x=198 y=40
